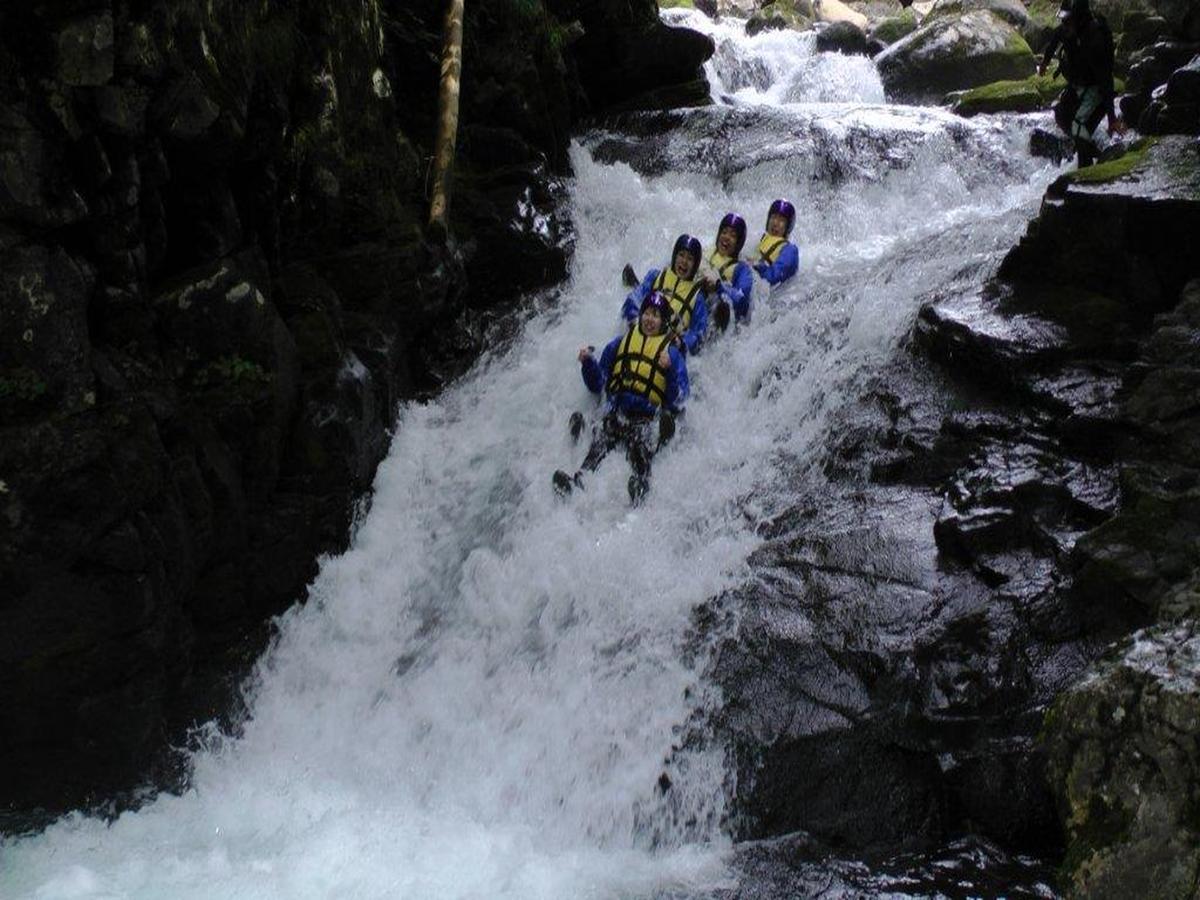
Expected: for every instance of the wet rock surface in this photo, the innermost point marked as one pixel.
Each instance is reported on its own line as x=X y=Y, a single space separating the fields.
x=1123 y=536
x=215 y=291
x=962 y=562
x=954 y=52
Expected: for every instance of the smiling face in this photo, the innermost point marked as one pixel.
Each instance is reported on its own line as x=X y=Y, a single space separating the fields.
x=777 y=225
x=727 y=241
x=684 y=264
x=651 y=321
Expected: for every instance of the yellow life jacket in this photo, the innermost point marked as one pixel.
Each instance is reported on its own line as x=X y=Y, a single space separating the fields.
x=769 y=247
x=725 y=265
x=681 y=293
x=636 y=369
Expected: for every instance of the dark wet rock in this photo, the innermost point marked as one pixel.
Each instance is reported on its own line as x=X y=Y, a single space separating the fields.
x=85 y=50
x=867 y=682
x=1181 y=16
x=1146 y=104
x=954 y=53
x=623 y=55
x=1052 y=145
x=1140 y=30
x=799 y=865
x=1125 y=759
x=1099 y=493
x=1119 y=228
x=842 y=37
x=215 y=290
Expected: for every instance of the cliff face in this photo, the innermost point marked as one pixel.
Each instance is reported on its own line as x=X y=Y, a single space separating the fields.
x=214 y=291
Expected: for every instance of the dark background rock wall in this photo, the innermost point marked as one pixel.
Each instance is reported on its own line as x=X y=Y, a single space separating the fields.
x=215 y=288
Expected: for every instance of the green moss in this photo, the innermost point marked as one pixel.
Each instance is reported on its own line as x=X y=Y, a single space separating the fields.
x=676 y=4
x=1044 y=12
x=1115 y=169
x=894 y=28
x=22 y=386
x=233 y=371
x=1019 y=96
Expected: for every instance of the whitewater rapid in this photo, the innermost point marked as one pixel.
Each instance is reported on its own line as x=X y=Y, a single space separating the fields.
x=480 y=697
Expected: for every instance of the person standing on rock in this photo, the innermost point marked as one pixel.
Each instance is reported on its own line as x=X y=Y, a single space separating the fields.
x=677 y=282
x=645 y=378
x=777 y=258
x=1083 y=43
x=725 y=276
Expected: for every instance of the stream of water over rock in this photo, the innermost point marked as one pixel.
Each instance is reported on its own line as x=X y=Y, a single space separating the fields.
x=479 y=698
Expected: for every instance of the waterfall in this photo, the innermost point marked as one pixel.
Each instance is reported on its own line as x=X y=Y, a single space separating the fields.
x=480 y=697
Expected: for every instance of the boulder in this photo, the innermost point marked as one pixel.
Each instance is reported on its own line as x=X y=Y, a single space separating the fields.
x=618 y=62
x=1027 y=95
x=836 y=11
x=1182 y=16
x=1119 y=227
x=85 y=50
x=954 y=53
x=1124 y=758
x=893 y=28
x=842 y=37
x=1011 y=11
x=776 y=17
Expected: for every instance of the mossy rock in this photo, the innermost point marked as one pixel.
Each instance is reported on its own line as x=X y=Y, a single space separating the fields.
x=1102 y=173
x=954 y=53
x=777 y=17
x=894 y=28
x=676 y=4
x=1020 y=96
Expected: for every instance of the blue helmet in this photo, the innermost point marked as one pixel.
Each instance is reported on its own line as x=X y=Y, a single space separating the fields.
x=692 y=246
x=785 y=209
x=658 y=300
x=738 y=224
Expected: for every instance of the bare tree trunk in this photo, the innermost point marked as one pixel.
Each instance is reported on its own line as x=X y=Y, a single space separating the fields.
x=447 y=133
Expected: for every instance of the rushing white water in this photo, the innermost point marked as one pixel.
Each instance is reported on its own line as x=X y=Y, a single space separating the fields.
x=479 y=697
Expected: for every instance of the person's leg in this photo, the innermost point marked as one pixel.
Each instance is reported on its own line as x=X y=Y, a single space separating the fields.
x=604 y=437
x=639 y=451
x=603 y=440
x=1084 y=123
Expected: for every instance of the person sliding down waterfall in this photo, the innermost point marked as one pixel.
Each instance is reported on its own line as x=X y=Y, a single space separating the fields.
x=1083 y=43
x=725 y=276
x=645 y=378
x=677 y=282
x=778 y=258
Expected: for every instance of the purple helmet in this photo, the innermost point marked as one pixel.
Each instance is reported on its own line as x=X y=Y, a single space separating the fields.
x=692 y=246
x=738 y=224
x=658 y=300
x=785 y=209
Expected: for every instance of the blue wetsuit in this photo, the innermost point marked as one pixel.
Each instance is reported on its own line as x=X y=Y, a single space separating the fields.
x=786 y=264
x=596 y=376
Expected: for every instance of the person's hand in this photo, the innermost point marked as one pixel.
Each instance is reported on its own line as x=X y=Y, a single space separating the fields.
x=585 y=353
x=664 y=359
x=710 y=282
x=1115 y=124
x=1041 y=68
